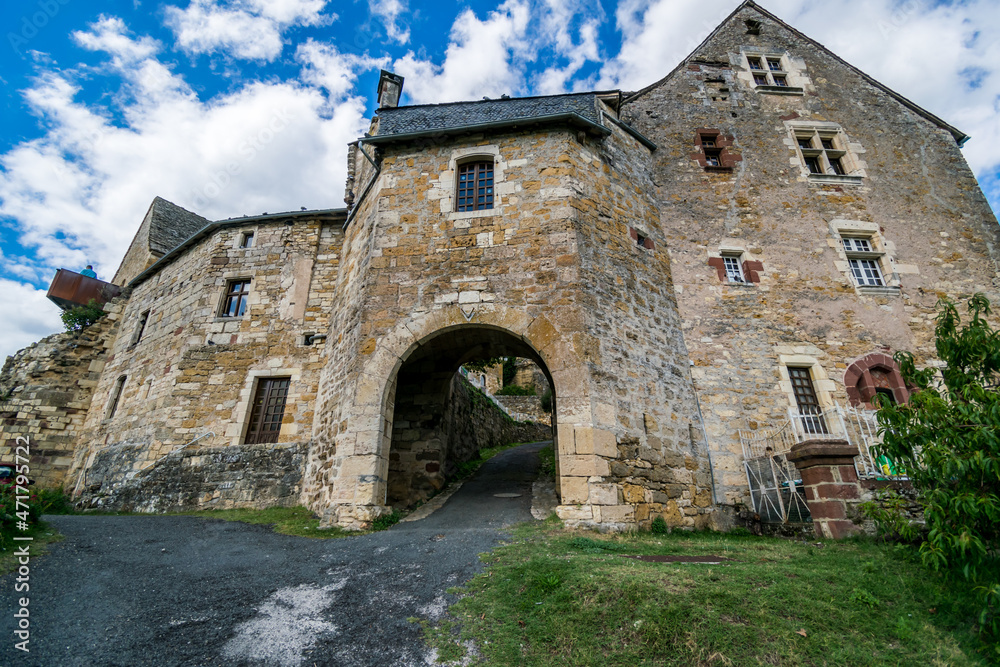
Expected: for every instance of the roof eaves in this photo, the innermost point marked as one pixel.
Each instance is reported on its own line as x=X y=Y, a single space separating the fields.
x=479 y=127
x=331 y=213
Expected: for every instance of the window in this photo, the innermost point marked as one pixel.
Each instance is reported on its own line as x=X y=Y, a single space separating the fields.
x=768 y=71
x=267 y=411
x=734 y=270
x=235 y=302
x=139 y=329
x=713 y=150
x=116 y=395
x=876 y=374
x=810 y=413
x=863 y=261
x=246 y=240
x=822 y=150
x=475 y=186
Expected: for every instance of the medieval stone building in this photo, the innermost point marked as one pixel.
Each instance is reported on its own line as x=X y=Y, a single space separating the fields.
x=705 y=270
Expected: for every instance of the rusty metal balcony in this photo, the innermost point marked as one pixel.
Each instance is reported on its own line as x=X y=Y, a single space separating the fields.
x=70 y=289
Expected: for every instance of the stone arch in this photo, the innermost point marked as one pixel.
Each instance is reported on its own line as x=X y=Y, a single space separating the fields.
x=872 y=374
x=362 y=448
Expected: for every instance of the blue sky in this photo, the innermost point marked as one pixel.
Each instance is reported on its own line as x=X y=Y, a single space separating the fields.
x=239 y=107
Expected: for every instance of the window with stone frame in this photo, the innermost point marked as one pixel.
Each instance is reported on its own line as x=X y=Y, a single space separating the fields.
x=246 y=240
x=475 y=191
x=806 y=400
x=713 y=150
x=822 y=151
x=864 y=261
x=768 y=70
x=876 y=374
x=735 y=268
x=236 y=298
x=267 y=411
x=140 y=328
x=116 y=395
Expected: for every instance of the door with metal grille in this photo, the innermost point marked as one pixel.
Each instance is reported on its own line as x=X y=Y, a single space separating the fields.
x=267 y=411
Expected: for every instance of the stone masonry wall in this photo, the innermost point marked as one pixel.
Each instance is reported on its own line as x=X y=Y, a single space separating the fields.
x=45 y=392
x=190 y=378
x=909 y=190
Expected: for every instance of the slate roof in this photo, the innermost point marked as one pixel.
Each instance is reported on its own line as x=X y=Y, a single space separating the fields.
x=170 y=225
x=431 y=118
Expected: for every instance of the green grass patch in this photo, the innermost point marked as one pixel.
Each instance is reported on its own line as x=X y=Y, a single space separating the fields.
x=41 y=534
x=547 y=461
x=555 y=597
x=286 y=520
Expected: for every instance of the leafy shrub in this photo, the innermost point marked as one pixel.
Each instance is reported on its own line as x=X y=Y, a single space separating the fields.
x=887 y=513
x=515 y=390
x=946 y=439
x=659 y=526
x=547 y=461
x=55 y=501
x=509 y=370
x=386 y=520
x=9 y=510
x=82 y=317
x=546 y=401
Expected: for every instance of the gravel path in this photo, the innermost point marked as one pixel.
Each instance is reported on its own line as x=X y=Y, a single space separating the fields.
x=158 y=590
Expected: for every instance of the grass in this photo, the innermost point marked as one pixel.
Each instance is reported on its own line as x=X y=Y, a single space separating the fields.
x=42 y=535
x=555 y=597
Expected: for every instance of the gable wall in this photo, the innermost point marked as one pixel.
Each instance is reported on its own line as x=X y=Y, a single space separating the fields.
x=918 y=191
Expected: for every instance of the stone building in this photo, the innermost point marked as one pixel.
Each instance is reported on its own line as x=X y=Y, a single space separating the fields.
x=705 y=270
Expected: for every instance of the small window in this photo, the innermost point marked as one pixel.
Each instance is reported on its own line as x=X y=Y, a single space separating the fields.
x=475 y=186
x=856 y=244
x=836 y=166
x=708 y=142
x=866 y=272
x=713 y=157
x=116 y=395
x=827 y=143
x=812 y=164
x=774 y=64
x=246 y=240
x=822 y=153
x=805 y=142
x=755 y=64
x=780 y=80
x=267 y=411
x=734 y=269
x=235 y=302
x=760 y=79
x=139 y=329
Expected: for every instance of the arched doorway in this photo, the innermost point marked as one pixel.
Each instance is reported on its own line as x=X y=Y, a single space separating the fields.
x=426 y=408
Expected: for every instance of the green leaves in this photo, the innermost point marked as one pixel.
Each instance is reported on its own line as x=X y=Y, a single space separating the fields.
x=948 y=440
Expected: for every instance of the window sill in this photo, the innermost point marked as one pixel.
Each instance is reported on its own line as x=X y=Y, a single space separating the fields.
x=872 y=290
x=746 y=285
x=780 y=90
x=467 y=215
x=836 y=179
x=718 y=169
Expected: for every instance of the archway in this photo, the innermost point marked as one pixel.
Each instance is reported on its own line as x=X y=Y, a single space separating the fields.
x=873 y=374
x=426 y=408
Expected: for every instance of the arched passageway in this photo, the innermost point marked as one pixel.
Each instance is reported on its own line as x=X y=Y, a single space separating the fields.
x=433 y=417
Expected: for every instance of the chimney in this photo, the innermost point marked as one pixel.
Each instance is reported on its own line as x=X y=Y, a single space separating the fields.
x=390 y=87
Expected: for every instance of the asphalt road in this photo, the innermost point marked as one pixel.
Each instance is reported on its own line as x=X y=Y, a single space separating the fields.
x=158 y=590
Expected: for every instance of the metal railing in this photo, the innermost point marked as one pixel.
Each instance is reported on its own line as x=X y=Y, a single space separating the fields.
x=775 y=490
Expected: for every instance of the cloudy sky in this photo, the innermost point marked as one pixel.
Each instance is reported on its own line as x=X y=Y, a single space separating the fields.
x=237 y=107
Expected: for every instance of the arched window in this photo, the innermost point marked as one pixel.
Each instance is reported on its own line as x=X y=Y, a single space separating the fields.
x=475 y=186
x=873 y=374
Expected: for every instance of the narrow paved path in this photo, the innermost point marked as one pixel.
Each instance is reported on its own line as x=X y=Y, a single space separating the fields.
x=156 y=590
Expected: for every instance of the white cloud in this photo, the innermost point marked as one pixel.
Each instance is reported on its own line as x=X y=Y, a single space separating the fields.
x=482 y=58
x=558 y=17
x=32 y=315
x=390 y=11
x=78 y=193
x=248 y=29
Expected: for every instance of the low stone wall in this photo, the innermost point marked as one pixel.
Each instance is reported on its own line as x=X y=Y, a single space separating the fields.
x=873 y=490
x=475 y=422
x=525 y=408
x=46 y=391
x=256 y=476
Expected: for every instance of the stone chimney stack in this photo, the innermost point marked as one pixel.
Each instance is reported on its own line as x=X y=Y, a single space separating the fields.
x=390 y=88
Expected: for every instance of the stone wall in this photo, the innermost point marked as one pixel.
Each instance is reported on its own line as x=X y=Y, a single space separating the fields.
x=46 y=391
x=254 y=476
x=525 y=408
x=191 y=376
x=910 y=192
